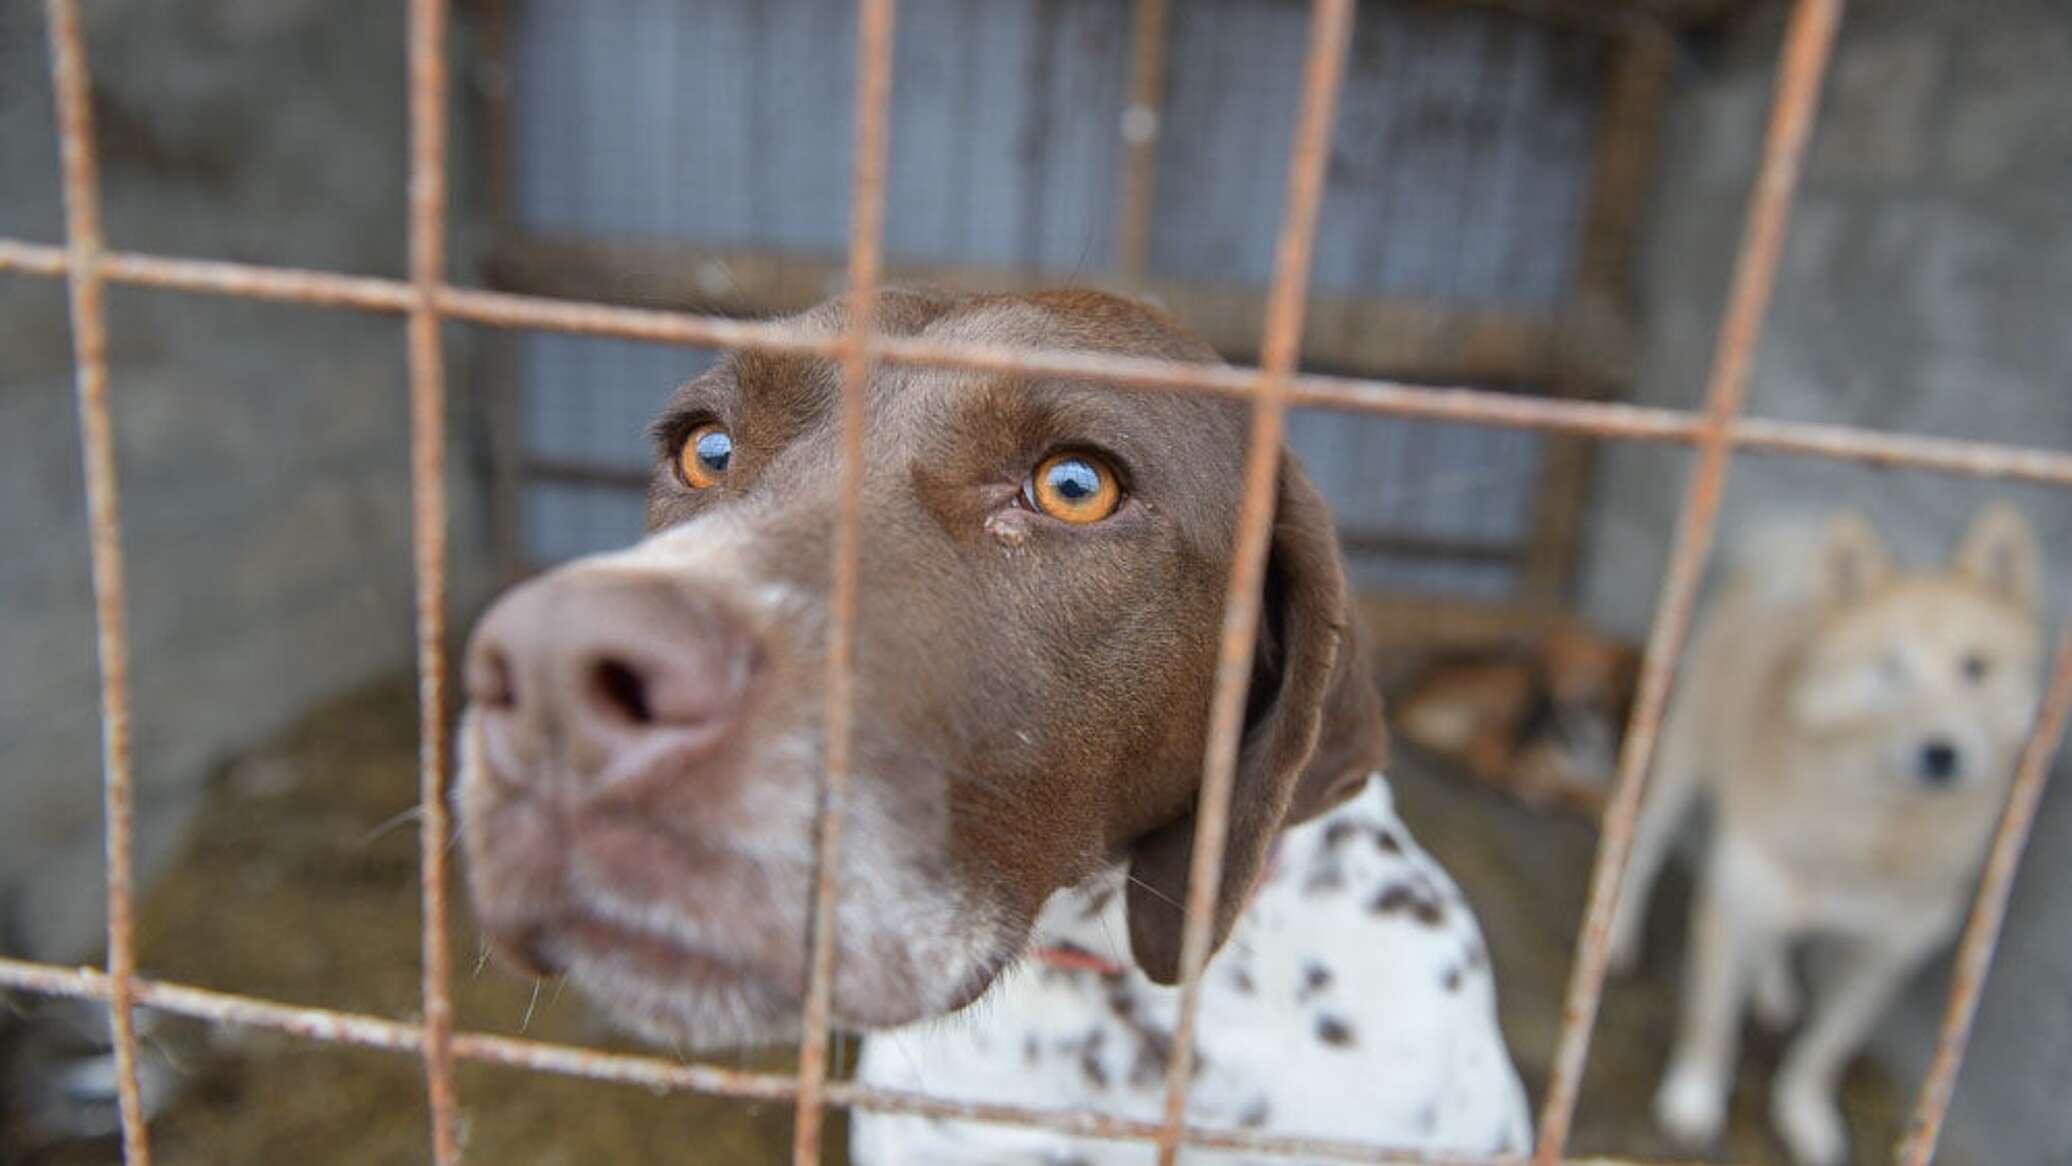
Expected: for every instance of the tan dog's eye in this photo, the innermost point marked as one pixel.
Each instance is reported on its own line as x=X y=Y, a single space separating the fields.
x=702 y=461
x=1976 y=666
x=1074 y=487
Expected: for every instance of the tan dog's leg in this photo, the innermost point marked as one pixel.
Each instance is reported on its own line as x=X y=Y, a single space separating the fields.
x=1732 y=924
x=1777 y=997
x=1670 y=794
x=1802 y=1099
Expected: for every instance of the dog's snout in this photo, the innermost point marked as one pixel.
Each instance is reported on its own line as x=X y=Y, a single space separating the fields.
x=605 y=675
x=1940 y=761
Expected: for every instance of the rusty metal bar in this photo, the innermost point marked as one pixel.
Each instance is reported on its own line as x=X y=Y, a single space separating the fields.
x=382 y=1034
x=237 y=279
x=23 y=258
x=1142 y=120
x=1439 y=403
x=427 y=47
x=585 y=319
x=213 y=277
x=1988 y=914
x=1323 y=75
x=1407 y=337
x=1353 y=395
x=83 y=247
x=1807 y=44
x=1894 y=450
x=866 y=255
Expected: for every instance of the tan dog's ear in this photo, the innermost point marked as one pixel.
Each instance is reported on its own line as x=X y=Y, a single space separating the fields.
x=1853 y=559
x=1313 y=730
x=2000 y=551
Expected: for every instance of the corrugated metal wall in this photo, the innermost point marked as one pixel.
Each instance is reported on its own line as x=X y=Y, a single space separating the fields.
x=1458 y=175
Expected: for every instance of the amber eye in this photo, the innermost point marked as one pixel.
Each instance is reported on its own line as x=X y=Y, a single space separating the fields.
x=1074 y=487
x=702 y=461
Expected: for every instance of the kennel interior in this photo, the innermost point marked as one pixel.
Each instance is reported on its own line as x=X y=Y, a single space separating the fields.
x=1541 y=199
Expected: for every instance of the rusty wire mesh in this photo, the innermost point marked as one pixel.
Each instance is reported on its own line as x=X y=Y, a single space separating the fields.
x=426 y=299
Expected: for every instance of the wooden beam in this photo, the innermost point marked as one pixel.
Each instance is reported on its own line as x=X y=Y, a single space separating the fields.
x=1399 y=338
x=629 y=479
x=492 y=376
x=1595 y=342
x=1695 y=13
x=1604 y=302
x=1415 y=623
x=1359 y=543
x=1142 y=122
x=1613 y=17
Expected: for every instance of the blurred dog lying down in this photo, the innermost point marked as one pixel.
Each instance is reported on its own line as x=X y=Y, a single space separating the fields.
x=1540 y=719
x=1855 y=725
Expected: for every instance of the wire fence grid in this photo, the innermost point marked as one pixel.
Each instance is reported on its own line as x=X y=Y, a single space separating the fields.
x=426 y=299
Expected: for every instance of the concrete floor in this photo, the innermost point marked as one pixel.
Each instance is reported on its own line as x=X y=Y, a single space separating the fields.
x=301 y=886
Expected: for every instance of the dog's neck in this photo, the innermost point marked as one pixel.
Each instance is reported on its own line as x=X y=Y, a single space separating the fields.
x=1083 y=927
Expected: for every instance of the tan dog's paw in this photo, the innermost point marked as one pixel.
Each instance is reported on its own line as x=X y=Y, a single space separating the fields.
x=1809 y=1123
x=1691 y=1106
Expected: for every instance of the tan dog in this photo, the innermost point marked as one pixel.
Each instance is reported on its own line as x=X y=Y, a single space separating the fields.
x=1856 y=725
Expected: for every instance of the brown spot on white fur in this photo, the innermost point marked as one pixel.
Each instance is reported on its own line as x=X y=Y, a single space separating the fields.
x=1335 y=1032
x=1418 y=902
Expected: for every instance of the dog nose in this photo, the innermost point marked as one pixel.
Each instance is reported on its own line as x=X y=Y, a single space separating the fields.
x=610 y=673
x=1938 y=761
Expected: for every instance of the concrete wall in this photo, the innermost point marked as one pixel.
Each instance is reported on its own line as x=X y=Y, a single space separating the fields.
x=1925 y=287
x=262 y=448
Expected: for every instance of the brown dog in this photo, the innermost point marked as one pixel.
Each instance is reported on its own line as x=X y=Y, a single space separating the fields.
x=1043 y=564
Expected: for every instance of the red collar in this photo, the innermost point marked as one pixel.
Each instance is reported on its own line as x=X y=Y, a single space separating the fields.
x=1070 y=957
x=1073 y=958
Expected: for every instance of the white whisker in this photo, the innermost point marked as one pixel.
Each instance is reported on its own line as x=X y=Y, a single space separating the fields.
x=388 y=824
x=529 y=1006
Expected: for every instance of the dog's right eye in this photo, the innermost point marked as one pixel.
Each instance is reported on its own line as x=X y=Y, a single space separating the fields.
x=702 y=461
x=1075 y=487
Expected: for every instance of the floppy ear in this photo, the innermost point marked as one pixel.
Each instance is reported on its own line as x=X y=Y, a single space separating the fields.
x=1853 y=558
x=1313 y=731
x=2000 y=551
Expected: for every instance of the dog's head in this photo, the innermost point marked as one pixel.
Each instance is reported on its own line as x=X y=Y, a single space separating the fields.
x=1935 y=673
x=1042 y=570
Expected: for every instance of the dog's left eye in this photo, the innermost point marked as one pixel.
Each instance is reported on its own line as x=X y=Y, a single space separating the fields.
x=706 y=452
x=1074 y=487
x=1976 y=667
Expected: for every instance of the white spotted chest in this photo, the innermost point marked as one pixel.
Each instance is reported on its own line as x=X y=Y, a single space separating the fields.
x=1353 y=1001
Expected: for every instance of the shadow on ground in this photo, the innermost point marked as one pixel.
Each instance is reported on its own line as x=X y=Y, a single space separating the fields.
x=300 y=886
